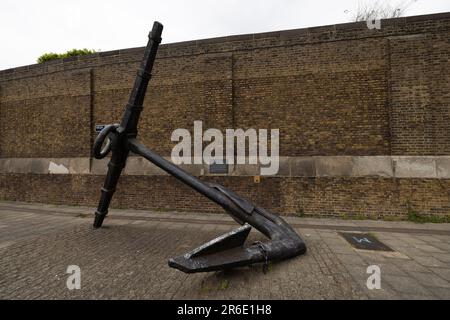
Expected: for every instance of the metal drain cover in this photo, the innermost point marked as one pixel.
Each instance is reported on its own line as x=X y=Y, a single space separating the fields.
x=364 y=241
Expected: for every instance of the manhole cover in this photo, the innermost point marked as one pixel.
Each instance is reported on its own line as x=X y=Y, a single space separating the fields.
x=364 y=241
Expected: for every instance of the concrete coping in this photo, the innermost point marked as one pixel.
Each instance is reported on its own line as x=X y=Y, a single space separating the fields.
x=437 y=167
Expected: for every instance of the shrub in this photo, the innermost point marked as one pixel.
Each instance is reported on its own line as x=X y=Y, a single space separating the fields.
x=77 y=52
x=71 y=53
x=47 y=57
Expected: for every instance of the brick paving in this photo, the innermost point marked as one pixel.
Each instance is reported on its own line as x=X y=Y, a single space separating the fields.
x=127 y=259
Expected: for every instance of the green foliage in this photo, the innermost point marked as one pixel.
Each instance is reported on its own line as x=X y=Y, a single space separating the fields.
x=300 y=213
x=47 y=57
x=224 y=284
x=414 y=216
x=71 y=53
x=77 y=52
x=418 y=218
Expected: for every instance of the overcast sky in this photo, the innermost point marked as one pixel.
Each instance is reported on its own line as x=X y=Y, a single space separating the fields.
x=30 y=28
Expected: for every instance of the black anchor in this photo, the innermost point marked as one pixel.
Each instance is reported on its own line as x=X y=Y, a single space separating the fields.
x=223 y=252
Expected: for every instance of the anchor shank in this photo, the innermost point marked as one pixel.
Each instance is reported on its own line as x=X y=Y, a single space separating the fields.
x=211 y=193
x=128 y=127
x=134 y=107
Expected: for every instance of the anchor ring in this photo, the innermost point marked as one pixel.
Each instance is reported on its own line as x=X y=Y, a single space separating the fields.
x=98 y=149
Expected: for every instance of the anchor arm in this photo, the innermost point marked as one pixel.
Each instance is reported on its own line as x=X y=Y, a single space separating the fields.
x=285 y=242
x=213 y=194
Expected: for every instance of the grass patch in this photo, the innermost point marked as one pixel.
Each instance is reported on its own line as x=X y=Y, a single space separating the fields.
x=300 y=213
x=370 y=217
x=419 y=218
x=224 y=284
x=416 y=217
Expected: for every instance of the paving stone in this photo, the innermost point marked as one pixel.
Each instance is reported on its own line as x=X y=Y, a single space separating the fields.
x=429 y=261
x=444 y=246
x=409 y=250
x=410 y=266
x=352 y=259
x=406 y=285
x=407 y=296
x=441 y=293
x=430 y=239
x=130 y=261
x=430 y=279
x=5 y=244
x=372 y=257
x=384 y=293
x=428 y=248
x=391 y=269
x=341 y=249
x=442 y=272
x=329 y=234
x=127 y=259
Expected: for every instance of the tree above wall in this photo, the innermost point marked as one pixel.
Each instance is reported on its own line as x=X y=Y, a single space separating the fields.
x=71 y=53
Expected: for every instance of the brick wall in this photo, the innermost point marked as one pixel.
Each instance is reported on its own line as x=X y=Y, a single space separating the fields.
x=46 y=115
x=326 y=196
x=332 y=90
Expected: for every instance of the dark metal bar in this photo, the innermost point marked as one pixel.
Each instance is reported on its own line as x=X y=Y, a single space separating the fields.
x=134 y=107
x=195 y=183
x=128 y=127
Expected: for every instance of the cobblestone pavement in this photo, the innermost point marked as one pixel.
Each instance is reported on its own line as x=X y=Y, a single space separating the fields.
x=127 y=259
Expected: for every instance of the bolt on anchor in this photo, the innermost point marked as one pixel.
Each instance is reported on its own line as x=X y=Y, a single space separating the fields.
x=224 y=252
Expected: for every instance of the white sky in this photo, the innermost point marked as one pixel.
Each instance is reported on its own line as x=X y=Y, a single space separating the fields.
x=30 y=28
